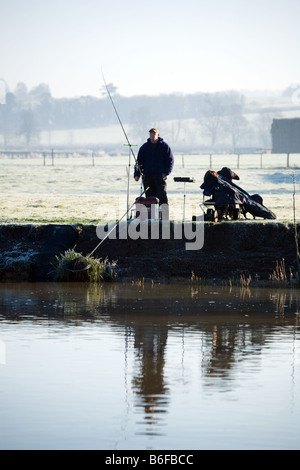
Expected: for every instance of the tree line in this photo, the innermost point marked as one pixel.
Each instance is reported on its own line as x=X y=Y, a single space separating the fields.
x=28 y=112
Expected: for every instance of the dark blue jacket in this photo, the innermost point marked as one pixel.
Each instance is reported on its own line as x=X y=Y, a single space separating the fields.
x=224 y=191
x=155 y=158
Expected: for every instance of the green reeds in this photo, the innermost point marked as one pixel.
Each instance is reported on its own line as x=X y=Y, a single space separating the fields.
x=73 y=266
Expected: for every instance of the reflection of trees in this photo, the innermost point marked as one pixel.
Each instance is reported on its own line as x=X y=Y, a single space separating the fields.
x=225 y=346
x=60 y=301
x=232 y=330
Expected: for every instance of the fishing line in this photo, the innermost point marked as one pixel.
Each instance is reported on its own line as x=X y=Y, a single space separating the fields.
x=103 y=239
x=129 y=144
x=117 y=114
x=114 y=227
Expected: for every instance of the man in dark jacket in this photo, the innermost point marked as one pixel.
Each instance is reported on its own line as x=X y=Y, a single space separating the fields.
x=155 y=162
x=228 y=174
x=225 y=192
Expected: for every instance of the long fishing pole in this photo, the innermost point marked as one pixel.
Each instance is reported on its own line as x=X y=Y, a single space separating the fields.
x=114 y=227
x=117 y=114
x=130 y=146
x=128 y=178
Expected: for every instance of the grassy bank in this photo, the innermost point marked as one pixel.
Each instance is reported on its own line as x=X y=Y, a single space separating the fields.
x=234 y=252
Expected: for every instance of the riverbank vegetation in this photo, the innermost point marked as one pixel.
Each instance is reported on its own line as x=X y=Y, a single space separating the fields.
x=73 y=266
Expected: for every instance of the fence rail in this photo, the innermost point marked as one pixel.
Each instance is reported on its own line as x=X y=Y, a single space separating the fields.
x=185 y=160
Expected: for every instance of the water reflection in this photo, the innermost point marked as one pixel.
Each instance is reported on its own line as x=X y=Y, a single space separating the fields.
x=171 y=334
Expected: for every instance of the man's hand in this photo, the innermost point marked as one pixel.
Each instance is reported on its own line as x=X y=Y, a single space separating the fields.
x=136 y=178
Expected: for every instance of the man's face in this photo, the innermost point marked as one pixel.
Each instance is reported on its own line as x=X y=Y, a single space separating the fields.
x=154 y=137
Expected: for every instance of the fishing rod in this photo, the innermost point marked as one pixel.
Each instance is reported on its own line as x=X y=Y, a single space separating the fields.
x=137 y=165
x=117 y=114
x=115 y=226
x=104 y=238
x=128 y=177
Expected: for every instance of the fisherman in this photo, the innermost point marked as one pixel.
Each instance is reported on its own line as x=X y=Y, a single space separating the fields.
x=155 y=162
x=228 y=174
x=222 y=192
x=225 y=192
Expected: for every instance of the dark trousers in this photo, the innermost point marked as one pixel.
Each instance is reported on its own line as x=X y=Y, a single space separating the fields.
x=157 y=187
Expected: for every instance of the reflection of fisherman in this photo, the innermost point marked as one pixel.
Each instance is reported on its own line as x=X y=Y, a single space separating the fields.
x=149 y=382
x=155 y=161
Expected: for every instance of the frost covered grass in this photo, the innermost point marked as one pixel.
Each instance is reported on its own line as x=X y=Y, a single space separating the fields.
x=17 y=258
x=80 y=190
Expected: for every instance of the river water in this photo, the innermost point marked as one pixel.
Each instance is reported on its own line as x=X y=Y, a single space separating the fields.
x=121 y=366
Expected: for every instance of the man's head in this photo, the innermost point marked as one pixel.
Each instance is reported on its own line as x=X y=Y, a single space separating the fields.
x=228 y=173
x=210 y=174
x=154 y=134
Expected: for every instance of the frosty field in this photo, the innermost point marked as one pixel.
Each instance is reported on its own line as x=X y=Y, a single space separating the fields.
x=81 y=190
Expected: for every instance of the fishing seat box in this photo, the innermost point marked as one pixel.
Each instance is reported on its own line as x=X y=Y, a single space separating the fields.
x=150 y=209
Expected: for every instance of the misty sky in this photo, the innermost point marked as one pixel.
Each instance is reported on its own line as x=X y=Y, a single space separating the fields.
x=161 y=46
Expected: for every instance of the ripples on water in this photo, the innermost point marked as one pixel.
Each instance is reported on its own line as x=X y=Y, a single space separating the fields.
x=148 y=367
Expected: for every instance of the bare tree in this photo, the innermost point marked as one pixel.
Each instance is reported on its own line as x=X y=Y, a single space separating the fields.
x=263 y=127
x=140 y=123
x=28 y=127
x=211 y=123
x=111 y=87
x=235 y=124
